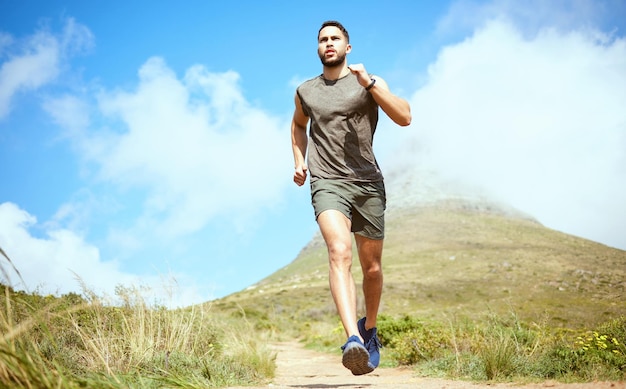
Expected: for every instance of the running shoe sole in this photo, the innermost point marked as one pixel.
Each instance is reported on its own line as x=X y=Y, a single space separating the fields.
x=356 y=359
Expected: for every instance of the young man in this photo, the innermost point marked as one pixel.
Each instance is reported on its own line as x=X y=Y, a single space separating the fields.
x=347 y=190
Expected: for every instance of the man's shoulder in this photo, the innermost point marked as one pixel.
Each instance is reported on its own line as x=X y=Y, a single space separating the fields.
x=310 y=82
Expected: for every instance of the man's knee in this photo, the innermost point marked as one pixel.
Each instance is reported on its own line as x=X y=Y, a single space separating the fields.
x=339 y=251
x=373 y=271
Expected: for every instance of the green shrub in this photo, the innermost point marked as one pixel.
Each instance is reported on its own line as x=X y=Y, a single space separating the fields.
x=499 y=354
x=504 y=349
x=602 y=352
x=410 y=341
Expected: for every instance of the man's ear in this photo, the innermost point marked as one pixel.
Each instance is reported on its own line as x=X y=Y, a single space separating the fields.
x=348 y=48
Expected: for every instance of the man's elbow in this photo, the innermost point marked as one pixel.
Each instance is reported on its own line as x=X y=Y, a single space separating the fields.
x=404 y=120
x=404 y=115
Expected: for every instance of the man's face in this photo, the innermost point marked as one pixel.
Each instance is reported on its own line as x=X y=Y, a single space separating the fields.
x=332 y=46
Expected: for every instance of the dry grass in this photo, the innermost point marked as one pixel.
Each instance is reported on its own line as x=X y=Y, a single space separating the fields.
x=71 y=342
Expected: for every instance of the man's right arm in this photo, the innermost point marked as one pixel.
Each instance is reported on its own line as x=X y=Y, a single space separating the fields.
x=299 y=142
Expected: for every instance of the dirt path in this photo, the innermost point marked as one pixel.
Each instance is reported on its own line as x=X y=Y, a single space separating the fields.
x=297 y=367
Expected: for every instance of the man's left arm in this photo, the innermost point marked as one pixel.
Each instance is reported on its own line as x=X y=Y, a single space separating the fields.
x=397 y=108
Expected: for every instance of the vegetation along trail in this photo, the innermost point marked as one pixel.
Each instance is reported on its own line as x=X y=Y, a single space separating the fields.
x=297 y=367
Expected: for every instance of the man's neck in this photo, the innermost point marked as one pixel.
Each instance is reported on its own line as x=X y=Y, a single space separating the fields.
x=335 y=72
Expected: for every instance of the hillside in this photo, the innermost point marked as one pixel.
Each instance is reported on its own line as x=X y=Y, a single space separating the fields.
x=460 y=257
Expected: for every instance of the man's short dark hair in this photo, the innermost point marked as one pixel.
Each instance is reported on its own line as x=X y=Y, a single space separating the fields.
x=334 y=23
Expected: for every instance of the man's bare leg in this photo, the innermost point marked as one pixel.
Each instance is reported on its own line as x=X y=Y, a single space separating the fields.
x=335 y=228
x=370 y=255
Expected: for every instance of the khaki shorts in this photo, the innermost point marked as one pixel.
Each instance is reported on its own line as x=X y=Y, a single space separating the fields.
x=363 y=203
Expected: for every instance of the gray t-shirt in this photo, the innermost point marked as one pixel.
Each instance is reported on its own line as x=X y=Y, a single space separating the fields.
x=343 y=121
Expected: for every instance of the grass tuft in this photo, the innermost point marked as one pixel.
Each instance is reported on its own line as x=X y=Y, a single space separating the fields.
x=72 y=342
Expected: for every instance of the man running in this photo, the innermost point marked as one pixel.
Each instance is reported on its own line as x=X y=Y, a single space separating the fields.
x=347 y=189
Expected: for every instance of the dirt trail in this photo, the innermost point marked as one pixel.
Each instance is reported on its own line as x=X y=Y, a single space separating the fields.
x=297 y=367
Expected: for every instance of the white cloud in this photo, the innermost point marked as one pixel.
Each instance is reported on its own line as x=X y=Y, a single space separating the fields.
x=60 y=260
x=539 y=122
x=69 y=112
x=76 y=38
x=195 y=145
x=39 y=60
x=37 y=66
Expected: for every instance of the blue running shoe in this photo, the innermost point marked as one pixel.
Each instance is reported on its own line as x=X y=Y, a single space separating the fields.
x=355 y=356
x=372 y=344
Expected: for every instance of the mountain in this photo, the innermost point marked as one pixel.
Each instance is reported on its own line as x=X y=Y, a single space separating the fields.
x=448 y=254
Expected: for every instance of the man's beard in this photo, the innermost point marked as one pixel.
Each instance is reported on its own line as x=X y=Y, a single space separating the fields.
x=331 y=63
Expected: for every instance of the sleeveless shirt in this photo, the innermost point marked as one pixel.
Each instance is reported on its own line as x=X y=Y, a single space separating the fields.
x=341 y=132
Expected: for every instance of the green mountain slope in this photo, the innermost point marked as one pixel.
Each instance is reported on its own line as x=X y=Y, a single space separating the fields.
x=465 y=259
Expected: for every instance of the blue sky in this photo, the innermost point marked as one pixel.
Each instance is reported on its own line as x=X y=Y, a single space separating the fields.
x=147 y=143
